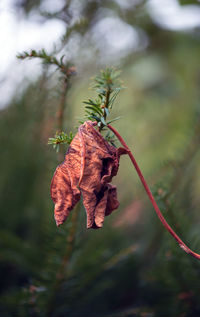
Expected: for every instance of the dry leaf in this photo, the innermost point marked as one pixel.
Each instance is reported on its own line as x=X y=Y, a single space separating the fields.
x=89 y=165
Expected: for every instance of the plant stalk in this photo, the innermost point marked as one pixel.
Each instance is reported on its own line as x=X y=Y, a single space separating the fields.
x=182 y=245
x=60 y=115
x=61 y=108
x=106 y=104
x=63 y=269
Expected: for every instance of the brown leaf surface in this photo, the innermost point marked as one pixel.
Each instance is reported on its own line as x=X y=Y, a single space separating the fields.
x=89 y=165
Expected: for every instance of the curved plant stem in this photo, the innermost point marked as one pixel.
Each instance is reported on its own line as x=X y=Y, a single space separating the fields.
x=152 y=199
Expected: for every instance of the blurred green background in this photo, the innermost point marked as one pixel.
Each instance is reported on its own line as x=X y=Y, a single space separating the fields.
x=132 y=266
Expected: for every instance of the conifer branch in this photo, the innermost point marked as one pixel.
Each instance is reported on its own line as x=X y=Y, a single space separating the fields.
x=107 y=85
x=65 y=68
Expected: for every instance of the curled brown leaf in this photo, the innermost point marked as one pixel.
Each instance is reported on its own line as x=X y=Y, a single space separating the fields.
x=89 y=165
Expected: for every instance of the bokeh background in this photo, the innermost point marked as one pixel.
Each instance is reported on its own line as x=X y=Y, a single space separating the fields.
x=132 y=266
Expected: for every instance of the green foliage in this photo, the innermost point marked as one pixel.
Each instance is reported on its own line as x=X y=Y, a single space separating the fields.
x=60 y=138
x=66 y=68
x=190 y=2
x=107 y=85
x=111 y=138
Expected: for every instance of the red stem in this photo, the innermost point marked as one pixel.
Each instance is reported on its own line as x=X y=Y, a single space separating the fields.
x=152 y=199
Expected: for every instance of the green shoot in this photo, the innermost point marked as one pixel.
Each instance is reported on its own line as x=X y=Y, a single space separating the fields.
x=107 y=85
x=65 y=68
x=60 y=138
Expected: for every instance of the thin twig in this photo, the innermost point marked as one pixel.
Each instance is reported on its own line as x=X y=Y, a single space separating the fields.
x=61 y=274
x=61 y=108
x=152 y=199
x=60 y=116
x=63 y=269
x=106 y=105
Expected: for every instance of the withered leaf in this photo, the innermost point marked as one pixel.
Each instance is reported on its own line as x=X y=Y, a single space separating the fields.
x=89 y=165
